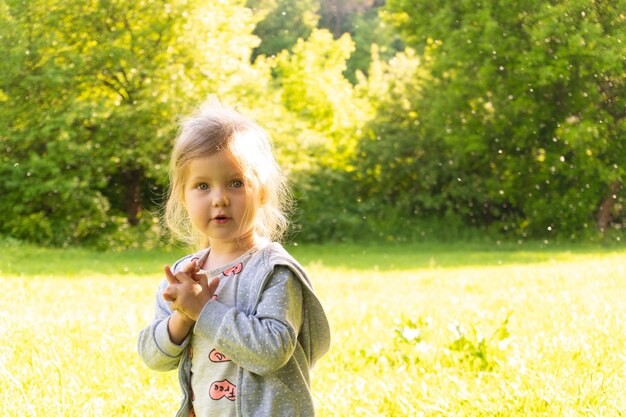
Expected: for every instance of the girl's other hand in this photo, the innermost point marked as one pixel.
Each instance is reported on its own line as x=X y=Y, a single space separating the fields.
x=188 y=291
x=190 y=270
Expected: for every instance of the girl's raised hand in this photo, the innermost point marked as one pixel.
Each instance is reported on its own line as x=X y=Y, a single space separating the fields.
x=189 y=291
x=191 y=269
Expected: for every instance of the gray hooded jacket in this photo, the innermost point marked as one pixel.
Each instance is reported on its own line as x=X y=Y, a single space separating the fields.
x=274 y=358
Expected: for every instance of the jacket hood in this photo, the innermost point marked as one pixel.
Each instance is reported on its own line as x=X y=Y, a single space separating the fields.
x=315 y=334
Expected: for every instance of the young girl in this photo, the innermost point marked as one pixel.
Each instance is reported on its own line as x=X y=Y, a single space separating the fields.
x=239 y=319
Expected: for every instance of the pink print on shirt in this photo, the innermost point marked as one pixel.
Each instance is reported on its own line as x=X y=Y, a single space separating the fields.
x=223 y=389
x=216 y=356
x=233 y=270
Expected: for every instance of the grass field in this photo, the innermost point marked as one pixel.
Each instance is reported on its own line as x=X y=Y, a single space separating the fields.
x=417 y=330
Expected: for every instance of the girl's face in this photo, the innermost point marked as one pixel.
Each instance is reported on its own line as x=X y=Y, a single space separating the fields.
x=221 y=205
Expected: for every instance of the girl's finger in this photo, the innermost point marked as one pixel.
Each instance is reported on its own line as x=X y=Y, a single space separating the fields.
x=188 y=272
x=215 y=282
x=169 y=294
x=183 y=277
x=171 y=278
x=197 y=277
x=211 y=287
x=173 y=298
x=202 y=280
x=191 y=268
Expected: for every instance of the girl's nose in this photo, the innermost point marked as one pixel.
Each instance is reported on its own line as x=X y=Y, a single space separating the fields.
x=220 y=200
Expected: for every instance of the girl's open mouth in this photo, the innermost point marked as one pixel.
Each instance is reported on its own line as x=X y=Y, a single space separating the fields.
x=221 y=219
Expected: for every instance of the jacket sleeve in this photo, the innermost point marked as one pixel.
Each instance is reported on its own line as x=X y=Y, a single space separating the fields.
x=263 y=341
x=155 y=347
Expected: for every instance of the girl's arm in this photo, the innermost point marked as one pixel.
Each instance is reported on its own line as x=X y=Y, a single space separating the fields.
x=159 y=349
x=179 y=326
x=263 y=342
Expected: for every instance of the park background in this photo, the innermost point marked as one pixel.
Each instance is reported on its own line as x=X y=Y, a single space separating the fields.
x=398 y=121
x=457 y=168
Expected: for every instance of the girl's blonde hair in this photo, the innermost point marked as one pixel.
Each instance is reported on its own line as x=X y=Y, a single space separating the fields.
x=215 y=128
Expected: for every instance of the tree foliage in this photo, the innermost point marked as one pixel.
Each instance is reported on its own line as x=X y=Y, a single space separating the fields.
x=526 y=104
x=91 y=95
x=283 y=23
x=505 y=117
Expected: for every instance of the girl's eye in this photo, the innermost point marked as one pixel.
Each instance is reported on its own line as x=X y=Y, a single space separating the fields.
x=237 y=184
x=202 y=186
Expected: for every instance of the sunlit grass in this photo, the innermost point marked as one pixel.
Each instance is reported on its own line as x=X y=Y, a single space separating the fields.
x=469 y=332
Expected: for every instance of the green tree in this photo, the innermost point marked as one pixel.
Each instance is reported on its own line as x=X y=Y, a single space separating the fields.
x=527 y=101
x=330 y=111
x=369 y=30
x=91 y=91
x=50 y=187
x=314 y=88
x=284 y=22
x=400 y=172
x=338 y=15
